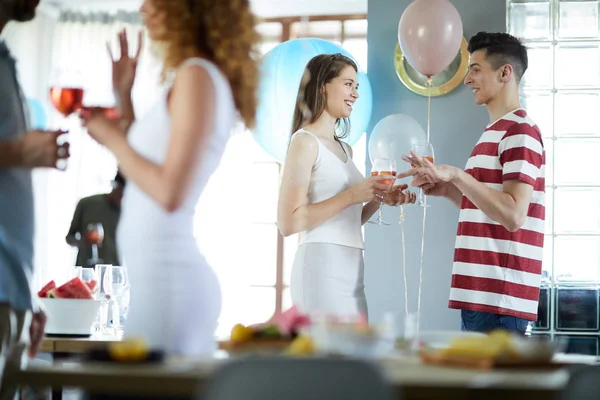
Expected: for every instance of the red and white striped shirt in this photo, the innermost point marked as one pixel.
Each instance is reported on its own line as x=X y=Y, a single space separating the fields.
x=495 y=270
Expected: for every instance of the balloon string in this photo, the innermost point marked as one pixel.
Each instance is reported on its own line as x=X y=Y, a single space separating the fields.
x=404 y=272
x=421 y=272
x=429 y=84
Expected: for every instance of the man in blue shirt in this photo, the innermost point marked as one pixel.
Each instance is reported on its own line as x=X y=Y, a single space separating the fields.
x=20 y=151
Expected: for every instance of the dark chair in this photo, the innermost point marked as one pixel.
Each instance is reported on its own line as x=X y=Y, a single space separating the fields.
x=584 y=384
x=297 y=379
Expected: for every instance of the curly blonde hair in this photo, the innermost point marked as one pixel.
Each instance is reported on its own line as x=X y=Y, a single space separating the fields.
x=222 y=31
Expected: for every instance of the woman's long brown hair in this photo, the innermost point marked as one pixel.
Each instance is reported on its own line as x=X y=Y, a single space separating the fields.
x=312 y=99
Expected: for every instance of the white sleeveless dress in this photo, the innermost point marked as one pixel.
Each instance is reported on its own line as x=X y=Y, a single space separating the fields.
x=328 y=272
x=175 y=295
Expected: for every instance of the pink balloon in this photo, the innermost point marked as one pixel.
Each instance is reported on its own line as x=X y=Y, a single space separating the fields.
x=430 y=34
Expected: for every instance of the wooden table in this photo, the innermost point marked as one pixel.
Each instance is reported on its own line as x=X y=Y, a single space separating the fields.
x=67 y=345
x=62 y=348
x=413 y=380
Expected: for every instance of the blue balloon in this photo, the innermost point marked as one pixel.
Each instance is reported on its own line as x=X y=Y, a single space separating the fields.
x=37 y=114
x=281 y=71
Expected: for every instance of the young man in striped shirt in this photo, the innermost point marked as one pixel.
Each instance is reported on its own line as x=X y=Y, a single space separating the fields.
x=499 y=244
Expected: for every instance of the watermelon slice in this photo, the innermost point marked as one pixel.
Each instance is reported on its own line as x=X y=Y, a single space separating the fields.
x=48 y=287
x=290 y=321
x=73 y=289
x=92 y=284
x=60 y=293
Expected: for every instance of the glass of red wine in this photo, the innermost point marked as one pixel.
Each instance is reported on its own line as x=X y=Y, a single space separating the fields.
x=66 y=100
x=383 y=166
x=66 y=91
x=66 y=95
x=95 y=236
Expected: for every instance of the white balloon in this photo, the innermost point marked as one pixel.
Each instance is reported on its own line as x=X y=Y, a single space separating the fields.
x=394 y=136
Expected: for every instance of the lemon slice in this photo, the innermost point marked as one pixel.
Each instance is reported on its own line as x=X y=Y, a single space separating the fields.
x=129 y=350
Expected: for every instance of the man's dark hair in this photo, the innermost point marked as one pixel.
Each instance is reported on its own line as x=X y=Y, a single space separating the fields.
x=501 y=49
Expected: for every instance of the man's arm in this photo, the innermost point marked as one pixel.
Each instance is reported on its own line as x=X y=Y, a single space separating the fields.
x=508 y=207
x=521 y=154
x=454 y=195
x=10 y=154
x=443 y=189
x=33 y=149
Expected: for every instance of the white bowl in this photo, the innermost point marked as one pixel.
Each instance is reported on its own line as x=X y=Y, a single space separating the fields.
x=70 y=316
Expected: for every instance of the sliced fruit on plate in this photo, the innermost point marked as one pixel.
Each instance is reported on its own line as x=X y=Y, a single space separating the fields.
x=241 y=333
x=128 y=350
x=289 y=322
x=73 y=289
x=48 y=287
x=302 y=346
x=91 y=284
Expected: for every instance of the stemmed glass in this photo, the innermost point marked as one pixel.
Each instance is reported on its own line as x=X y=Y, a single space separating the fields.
x=95 y=236
x=66 y=92
x=102 y=101
x=66 y=95
x=424 y=150
x=117 y=283
x=88 y=275
x=104 y=275
x=383 y=166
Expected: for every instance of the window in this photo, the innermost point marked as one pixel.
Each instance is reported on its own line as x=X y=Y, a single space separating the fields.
x=561 y=91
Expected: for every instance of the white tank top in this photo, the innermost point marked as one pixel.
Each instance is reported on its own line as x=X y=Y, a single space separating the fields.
x=331 y=176
x=141 y=216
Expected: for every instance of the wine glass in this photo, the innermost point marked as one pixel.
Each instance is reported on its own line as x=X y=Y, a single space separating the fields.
x=95 y=236
x=66 y=95
x=103 y=294
x=424 y=150
x=103 y=101
x=117 y=284
x=120 y=287
x=383 y=166
x=66 y=91
x=88 y=275
x=85 y=274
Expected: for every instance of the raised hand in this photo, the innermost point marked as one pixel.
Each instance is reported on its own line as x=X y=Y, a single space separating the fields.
x=424 y=172
x=125 y=67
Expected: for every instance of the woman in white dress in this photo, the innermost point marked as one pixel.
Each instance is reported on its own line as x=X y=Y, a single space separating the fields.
x=168 y=157
x=324 y=197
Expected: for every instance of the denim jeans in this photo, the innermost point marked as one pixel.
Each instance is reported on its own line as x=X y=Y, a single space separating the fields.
x=478 y=321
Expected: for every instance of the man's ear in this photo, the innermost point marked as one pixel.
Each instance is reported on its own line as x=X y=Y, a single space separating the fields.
x=506 y=73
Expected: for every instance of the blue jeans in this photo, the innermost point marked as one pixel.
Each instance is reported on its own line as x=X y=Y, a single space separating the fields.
x=478 y=321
